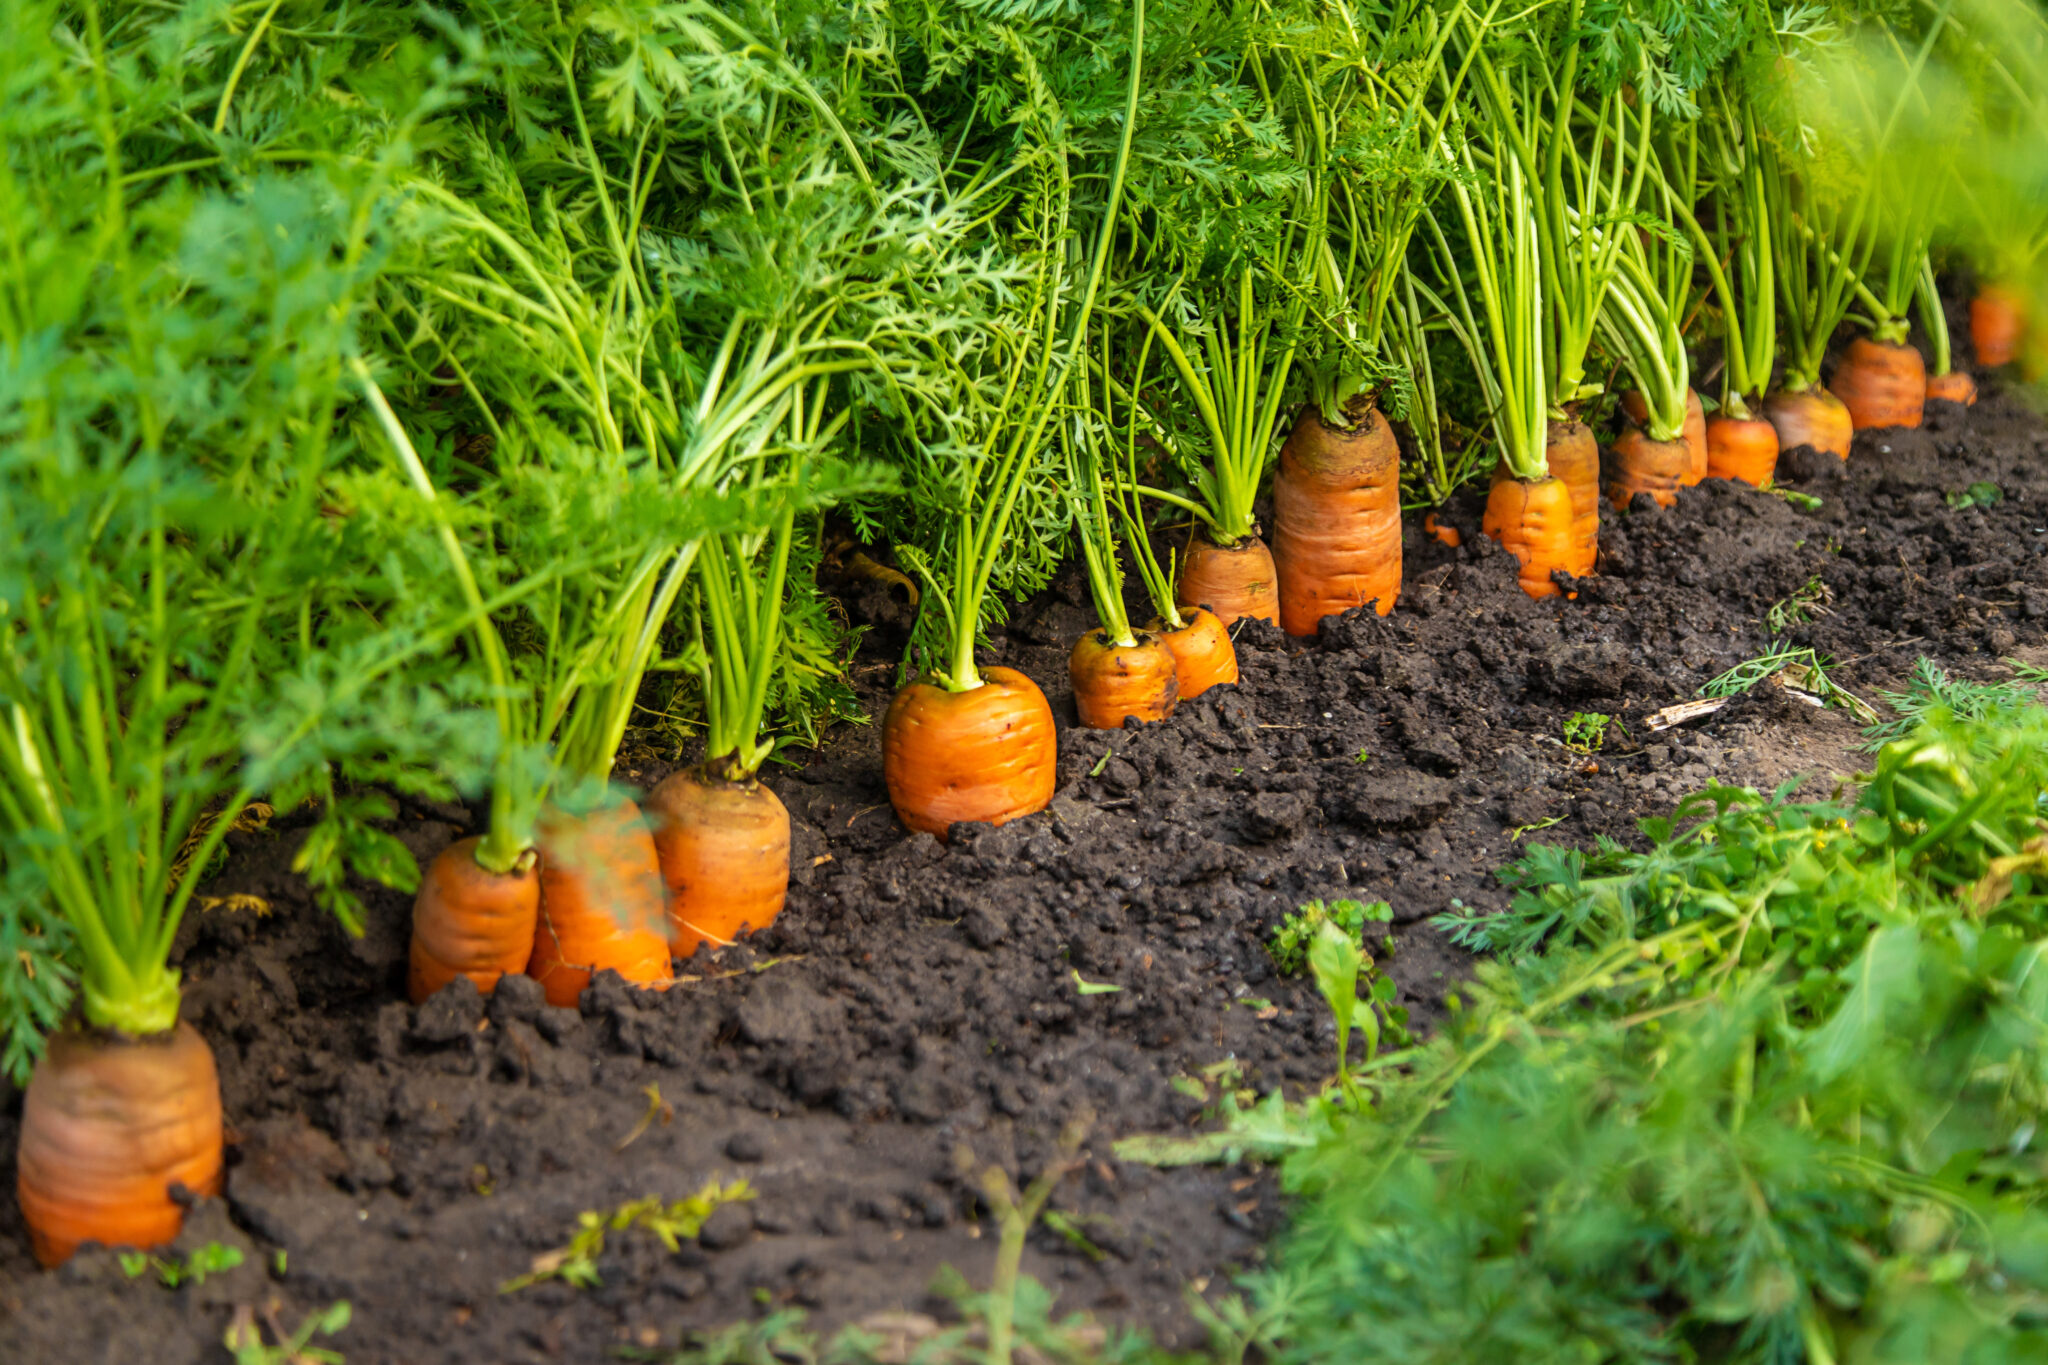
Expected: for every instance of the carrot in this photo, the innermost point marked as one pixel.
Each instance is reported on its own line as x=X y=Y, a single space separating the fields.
x=1113 y=681
x=1336 y=519
x=1233 y=581
x=600 y=902
x=1533 y=518
x=1810 y=417
x=1694 y=435
x=1882 y=384
x=1744 y=448
x=1441 y=533
x=1954 y=387
x=1203 y=656
x=1573 y=457
x=469 y=921
x=1641 y=465
x=984 y=754
x=1996 y=325
x=109 y=1125
x=723 y=847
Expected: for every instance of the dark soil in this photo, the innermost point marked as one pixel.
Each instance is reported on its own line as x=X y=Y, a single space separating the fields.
x=918 y=999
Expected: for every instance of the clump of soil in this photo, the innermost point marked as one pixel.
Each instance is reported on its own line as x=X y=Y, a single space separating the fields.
x=919 y=997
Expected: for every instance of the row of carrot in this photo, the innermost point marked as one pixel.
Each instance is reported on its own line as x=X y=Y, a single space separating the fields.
x=534 y=434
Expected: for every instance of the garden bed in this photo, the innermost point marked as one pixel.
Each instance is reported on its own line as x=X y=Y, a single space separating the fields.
x=917 y=999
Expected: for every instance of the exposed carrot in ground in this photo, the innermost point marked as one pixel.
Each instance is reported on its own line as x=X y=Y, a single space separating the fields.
x=1113 y=681
x=1810 y=417
x=601 y=902
x=1882 y=385
x=723 y=848
x=1533 y=518
x=1638 y=464
x=1573 y=456
x=1232 y=582
x=469 y=921
x=985 y=754
x=1744 y=448
x=1203 y=656
x=1439 y=532
x=108 y=1126
x=1954 y=387
x=1336 y=519
x=1997 y=322
x=1694 y=433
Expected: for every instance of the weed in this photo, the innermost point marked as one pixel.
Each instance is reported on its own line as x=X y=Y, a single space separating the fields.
x=1805 y=502
x=1809 y=601
x=1290 y=942
x=1586 y=732
x=1085 y=987
x=244 y=1338
x=576 y=1263
x=1978 y=494
x=211 y=1259
x=1933 y=688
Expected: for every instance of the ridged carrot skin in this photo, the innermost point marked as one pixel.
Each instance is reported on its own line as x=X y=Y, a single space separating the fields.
x=1336 y=519
x=1533 y=519
x=1882 y=385
x=1573 y=457
x=468 y=921
x=723 y=849
x=1203 y=656
x=1998 y=321
x=1954 y=387
x=1113 y=682
x=1694 y=432
x=1810 y=417
x=601 y=903
x=1638 y=464
x=1744 y=448
x=109 y=1125
x=1233 y=583
x=988 y=754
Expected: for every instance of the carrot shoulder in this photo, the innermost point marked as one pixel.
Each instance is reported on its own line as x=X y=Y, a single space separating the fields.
x=1336 y=519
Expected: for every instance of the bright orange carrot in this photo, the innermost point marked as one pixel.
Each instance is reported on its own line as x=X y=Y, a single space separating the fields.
x=1954 y=387
x=1203 y=656
x=985 y=754
x=1810 y=417
x=1336 y=519
x=1694 y=434
x=1997 y=321
x=1881 y=384
x=1532 y=518
x=1641 y=465
x=1440 y=532
x=108 y=1126
x=1232 y=582
x=467 y=921
x=723 y=847
x=1113 y=681
x=1573 y=456
x=1744 y=448
x=600 y=902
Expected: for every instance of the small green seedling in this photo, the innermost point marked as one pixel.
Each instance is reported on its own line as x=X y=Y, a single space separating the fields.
x=1083 y=987
x=1290 y=941
x=211 y=1259
x=1978 y=494
x=1335 y=959
x=244 y=1338
x=1810 y=601
x=576 y=1263
x=1101 y=763
x=1805 y=502
x=1586 y=732
x=1363 y=756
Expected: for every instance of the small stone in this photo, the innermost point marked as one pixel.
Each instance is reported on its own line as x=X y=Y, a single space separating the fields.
x=745 y=1147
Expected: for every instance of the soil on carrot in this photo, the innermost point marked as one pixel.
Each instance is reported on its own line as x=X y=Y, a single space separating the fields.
x=921 y=1000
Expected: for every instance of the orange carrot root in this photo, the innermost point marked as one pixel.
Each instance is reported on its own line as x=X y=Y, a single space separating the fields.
x=467 y=921
x=1439 y=532
x=1532 y=518
x=1233 y=583
x=988 y=754
x=1203 y=656
x=1953 y=387
x=1694 y=433
x=1882 y=385
x=601 y=903
x=1997 y=322
x=1742 y=448
x=1336 y=519
x=1810 y=417
x=108 y=1126
x=723 y=848
x=1573 y=457
x=1112 y=682
x=1641 y=465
